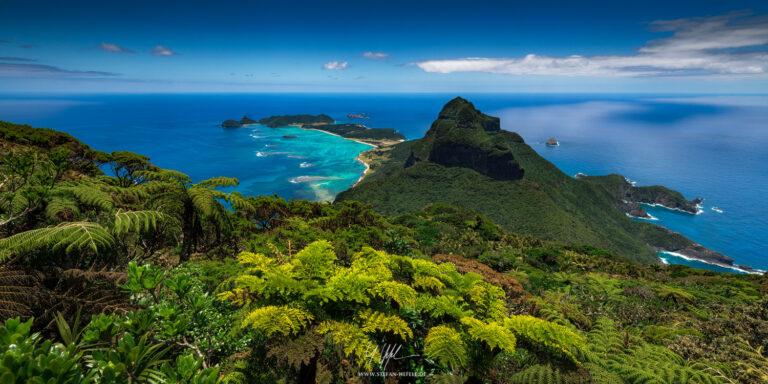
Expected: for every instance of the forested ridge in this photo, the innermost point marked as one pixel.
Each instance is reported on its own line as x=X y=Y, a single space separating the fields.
x=142 y=275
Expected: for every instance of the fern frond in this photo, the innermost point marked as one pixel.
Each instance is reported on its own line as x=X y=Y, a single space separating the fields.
x=541 y=374
x=61 y=207
x=135 y=221
x=427 y=282
x=373 y=321
x=17 y=292
x=489 y=300
x=545 y=334
x=401 y=293
x=166 y=175
x=236 y=200
x=445 y=345
x=493 y=334
x=91 y=195
x=219 y=182
x=203 y=200
x=19 y=203
x=351 y=286
x=273 y=319
x=315 y=261
x=70 y=237
x=441 y=305
x=353 y=340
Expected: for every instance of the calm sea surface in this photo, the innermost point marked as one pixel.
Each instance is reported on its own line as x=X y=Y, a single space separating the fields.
x=715 y=147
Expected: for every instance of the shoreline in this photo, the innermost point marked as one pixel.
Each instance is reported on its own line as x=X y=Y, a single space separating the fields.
x=721 y=265
x=699 y=209
x=345 y=138
x=365 y=172
x=358 y=158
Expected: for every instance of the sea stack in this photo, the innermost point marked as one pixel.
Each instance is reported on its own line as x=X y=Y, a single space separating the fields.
x=552 y=142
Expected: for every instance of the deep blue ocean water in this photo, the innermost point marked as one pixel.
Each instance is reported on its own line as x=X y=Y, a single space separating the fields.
x=715 y=147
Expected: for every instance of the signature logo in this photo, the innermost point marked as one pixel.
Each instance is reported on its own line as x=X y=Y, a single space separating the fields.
x=385 y=354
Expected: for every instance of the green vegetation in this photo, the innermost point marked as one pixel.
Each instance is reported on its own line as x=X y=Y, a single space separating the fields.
x=286 y=120
x=466 y=160
x=147 y=277
x=357 y=131
x=623 y=191
x=237 y=124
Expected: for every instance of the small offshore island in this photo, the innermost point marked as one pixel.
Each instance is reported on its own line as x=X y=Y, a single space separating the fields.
x=377 y=137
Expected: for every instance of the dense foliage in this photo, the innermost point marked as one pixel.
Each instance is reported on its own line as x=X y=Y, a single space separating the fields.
x=357 y=131
x=286 y=120
x=147 y=276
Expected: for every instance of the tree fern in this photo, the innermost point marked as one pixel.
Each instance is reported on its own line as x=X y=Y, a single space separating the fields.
x=356 y=303
x=59 y=207
x=445 y=345
x=493 y=334
x=257 y=263
x=751 y=359
x=315 y=261
x=488 y=300
x=553 y=336
x=351 y=286
x=538 y=374
x=70 y=237
x=427 y=282
x=236 y=200
x=400 y=293
x=18 y=203
x=205 y=202
x=273 y=319
x=353 y=340
x=441 y=305
x=17 y=292
x=135 y=221
x=374 y=321
x=636 y=361
x=79 y=236
x=219 y=182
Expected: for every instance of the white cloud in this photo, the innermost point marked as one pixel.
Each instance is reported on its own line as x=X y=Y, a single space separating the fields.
x=335 y=65
x=375 y=55
x=163 y=51
x=732 y=44
x=109 y=47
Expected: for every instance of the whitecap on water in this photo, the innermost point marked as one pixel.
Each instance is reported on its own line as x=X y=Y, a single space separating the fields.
x=264 y=154
x=307 y=179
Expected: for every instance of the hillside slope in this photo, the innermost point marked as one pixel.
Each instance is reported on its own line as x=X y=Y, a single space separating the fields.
x=465 y=159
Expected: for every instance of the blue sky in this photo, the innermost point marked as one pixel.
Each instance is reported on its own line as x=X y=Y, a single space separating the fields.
x=414 y=46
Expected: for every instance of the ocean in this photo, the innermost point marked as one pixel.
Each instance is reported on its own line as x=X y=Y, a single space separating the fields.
x=715 y=147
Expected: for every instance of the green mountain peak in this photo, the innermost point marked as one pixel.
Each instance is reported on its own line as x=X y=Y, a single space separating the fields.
x=466 y=159
x=462 y=136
